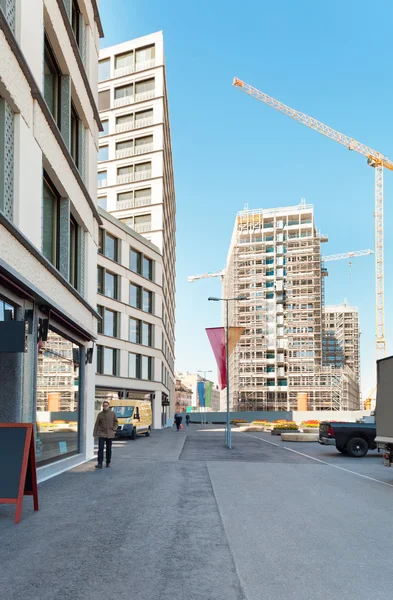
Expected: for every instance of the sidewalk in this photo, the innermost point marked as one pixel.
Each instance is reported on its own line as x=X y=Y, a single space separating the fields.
x=148 y=527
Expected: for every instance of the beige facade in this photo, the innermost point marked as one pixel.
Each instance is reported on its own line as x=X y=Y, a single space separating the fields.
x=135 y=170
x=49 y=125
x=275 y=262
x=130 y=359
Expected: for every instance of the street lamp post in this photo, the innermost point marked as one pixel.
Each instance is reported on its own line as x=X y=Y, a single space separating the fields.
x=204 y=407
x=228 y=433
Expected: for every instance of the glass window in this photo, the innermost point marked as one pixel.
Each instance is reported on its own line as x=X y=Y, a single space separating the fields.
x=134 y=366
x=102 y=202
x=142 y=167
x=144 y=114
x=142 y=197
x=110 y=323
x=129 y=221
x=124 y=60
x=75 y=135
x=146 y=367
x=7 y=312
x=124 y=91
x=105 y=127
x=104 y=69
x=73 y=274
x=101 y=179
x=143 y=141
x=135 y=261
x=104 y=100
x=147 y=334
x=75 y=14
x=144 y=55
x=50 y=228
x=135 y=296
x=125 y=170
x=124 y=119
x=147 y=268
x=110 y=246
x=103 y=153
x=125 y=145
x=142 y=223
x=100 y=280
x=123 y=412
x=51 y=81
x=110 y=361
x=57 y=399
x=142 y=87
x=134 y=331
x=147 y=301
x=110 y=285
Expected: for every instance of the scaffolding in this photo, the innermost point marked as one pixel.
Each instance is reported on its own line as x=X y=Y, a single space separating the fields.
x=275 y=261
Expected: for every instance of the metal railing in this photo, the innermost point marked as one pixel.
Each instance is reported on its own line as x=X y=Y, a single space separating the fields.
x=147 y=64
x=101 y=183
x=123 y=204
x=133 y=203
x=142 y=227
x=142 y=175
x=125 y=178
x=124 y=152
x=123 y=101
x=135 y=68
x=143 y=149
x=144 y=96
x=129 y=125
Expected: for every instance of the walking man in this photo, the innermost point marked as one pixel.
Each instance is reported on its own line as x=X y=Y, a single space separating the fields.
x=178 y=420
x=187 y=419
x=104 y=430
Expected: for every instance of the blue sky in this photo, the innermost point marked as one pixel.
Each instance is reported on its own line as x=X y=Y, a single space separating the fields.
x=331 y=60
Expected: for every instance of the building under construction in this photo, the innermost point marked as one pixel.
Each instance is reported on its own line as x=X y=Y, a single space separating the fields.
x=341 y=337
x=275 y=262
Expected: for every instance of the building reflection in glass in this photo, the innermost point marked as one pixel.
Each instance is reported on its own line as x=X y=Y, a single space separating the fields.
x=57 y=398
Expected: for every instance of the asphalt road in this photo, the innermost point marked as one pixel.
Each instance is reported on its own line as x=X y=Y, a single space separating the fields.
x=180 y=517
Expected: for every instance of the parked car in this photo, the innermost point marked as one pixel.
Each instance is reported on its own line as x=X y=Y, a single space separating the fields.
x=354 y=439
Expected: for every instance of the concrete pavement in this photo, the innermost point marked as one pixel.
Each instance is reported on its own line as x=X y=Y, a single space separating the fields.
x=179 y=517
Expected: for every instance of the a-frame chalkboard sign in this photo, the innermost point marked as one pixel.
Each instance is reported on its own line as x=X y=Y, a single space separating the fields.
x=18 y=473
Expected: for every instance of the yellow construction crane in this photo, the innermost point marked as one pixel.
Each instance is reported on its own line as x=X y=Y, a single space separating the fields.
x=374 y=159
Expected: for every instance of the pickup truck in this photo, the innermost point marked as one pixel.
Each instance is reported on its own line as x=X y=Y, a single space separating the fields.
x=354 y=439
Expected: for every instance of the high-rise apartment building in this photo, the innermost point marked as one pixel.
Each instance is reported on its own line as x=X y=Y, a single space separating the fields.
x=49 y=125
x=341 y=337
x=135 y=170
x=275 y=261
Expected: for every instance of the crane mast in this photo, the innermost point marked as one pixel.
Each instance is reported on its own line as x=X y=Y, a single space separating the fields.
x=374 y=159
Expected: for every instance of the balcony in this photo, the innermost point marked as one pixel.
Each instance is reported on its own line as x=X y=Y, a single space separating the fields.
x=142 y=201
x=142 y=227
x=143 y=149
x=124 y=101
x=130 y=69
x=129 y=125
x=146 y=64
x=124 y=152
x=142 y=175
x=145 y=96
x=125 y=178
x=133 y=203
x=101 y=183
x=127 y=70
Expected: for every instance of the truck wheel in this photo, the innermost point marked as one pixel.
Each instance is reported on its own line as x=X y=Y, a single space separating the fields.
x=147 y=433
x=342 y=449
x=133 y=434
x=357 y=447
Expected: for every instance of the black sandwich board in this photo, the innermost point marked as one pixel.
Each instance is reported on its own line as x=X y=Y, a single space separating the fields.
x=18 y=473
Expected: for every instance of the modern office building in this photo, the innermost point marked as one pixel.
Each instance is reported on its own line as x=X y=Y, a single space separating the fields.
x=135 y=170
x=49 y=125
x=341 y=337
x=132 y=358
x=274 y=260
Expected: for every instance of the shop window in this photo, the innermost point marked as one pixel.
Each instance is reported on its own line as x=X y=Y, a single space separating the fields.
x=51 y=222
x=57 y=398
x=7 y=311
x=52 y=77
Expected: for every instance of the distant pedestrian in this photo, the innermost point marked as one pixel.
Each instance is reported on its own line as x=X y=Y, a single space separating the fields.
x=104 y=430
x=188 y=420
x=178 y=420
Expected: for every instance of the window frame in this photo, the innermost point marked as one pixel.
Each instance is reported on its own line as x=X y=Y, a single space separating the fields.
x=75 y=14
x=49 y=54
x=73 y=275
x=74 y=147
x=99 y=149
x=55 y=261
x=106 y=61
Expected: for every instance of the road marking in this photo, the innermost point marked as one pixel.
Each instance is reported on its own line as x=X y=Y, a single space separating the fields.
x=324 y=462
